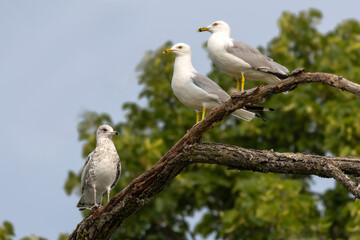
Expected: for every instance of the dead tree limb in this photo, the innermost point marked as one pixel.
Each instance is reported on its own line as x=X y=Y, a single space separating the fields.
x=103 y=222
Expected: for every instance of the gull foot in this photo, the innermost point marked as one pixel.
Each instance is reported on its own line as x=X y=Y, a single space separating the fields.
x=197 y=123
x=95 y=206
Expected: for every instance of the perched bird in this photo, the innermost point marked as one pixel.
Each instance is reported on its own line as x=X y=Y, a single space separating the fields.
x=239 y=60
x=197 y=91
x=101 y=171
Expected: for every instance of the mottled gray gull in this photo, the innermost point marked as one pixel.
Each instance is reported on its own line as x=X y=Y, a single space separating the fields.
x=197 y=91
x=101 y=171
x=239 y=60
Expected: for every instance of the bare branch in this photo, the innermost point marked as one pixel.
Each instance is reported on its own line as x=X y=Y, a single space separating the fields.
x=269 y=161
x=102 y=223
x=345 y=180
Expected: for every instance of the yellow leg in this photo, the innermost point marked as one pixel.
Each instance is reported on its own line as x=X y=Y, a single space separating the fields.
x=237 y=85
x=242 y=82
x=203 y=114
x=197 y=117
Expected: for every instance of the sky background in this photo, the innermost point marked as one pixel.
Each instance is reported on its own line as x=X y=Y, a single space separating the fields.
x=59 y=59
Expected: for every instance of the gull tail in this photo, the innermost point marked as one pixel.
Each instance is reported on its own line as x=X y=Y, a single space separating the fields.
x=87 y=200
x=244 y=115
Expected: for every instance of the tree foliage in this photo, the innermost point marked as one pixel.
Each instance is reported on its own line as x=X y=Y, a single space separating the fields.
x=7 y=232
x=244 y=205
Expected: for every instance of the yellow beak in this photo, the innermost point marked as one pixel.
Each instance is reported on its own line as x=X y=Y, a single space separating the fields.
x=168 y=51
x=203 y=29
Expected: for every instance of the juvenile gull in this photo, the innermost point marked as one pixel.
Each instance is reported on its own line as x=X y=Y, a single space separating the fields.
x=197 y=91
x=101 y=171
x=239 y=60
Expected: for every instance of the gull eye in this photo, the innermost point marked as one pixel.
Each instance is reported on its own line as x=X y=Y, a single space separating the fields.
x=104 y=130
x=179 y=47
x=215 y=24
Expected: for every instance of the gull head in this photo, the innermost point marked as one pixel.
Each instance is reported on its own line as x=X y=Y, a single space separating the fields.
x=218 y=26
x=179 y=49
x=105 y=131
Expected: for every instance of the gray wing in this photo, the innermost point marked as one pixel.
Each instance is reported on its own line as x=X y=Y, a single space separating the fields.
x=86 y=170
x=209 y=86
x=256 y=59
x=118 y=172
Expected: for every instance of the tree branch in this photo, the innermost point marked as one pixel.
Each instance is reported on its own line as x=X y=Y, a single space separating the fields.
x=103 y=222
x=269 y=161
x=345 y=180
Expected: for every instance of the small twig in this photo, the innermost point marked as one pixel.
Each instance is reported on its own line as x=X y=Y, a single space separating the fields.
x=344 y=179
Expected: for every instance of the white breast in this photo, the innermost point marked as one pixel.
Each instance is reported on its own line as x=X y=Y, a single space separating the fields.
x=103 y=168
x=187 y=92
x=105 y=175
x=228 y=63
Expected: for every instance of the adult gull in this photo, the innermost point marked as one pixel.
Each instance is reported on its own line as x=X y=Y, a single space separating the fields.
x=239 y=60
x=197 y=91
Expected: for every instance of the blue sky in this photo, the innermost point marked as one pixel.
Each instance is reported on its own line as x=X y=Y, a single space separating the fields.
x=59 y=59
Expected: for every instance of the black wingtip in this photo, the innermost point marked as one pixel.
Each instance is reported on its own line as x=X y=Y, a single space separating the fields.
x=257 y=108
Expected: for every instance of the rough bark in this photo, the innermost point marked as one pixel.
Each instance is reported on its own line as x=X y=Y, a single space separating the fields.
x=269 y=161
x=101 y=223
